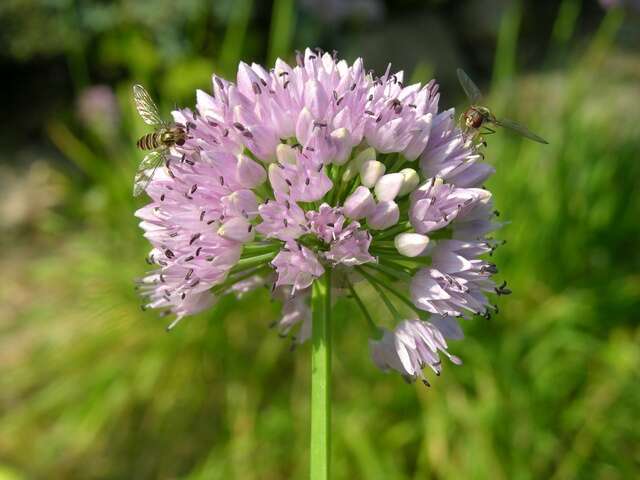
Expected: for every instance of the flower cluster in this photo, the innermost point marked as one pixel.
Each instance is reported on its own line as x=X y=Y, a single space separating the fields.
x=292 y=171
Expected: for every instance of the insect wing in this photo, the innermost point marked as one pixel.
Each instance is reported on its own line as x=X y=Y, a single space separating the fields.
x=470 y=88
x=146 y=170
x=146 y=107
x=520 y=129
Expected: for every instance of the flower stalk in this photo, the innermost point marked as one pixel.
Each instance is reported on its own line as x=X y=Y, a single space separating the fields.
x=320 y=451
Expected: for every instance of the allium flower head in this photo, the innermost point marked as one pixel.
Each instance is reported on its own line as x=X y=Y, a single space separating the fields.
x=295 y=170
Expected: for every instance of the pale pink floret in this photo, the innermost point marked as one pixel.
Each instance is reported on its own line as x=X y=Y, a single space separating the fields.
x=296 y=266
x=409 y=348
x=456 y=282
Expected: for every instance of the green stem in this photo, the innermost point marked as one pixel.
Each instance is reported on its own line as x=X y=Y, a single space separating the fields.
x=376 y=333
x=321 y=379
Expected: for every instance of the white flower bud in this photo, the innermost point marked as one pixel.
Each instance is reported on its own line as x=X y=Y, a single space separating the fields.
x=388 y=186
x=238 y=229
x=342 y=143
x=370 y=172
x=359 y=204
x=411 y=181
x=384 y=215
x=353 y=168
x=249 y=173
x=364 y=156
x=286 y=154
x=411 y=244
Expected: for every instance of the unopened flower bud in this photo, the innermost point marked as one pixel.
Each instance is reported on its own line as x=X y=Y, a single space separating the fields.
x=238 y=229
x=249 y=173
x=353 y=168
x=411 y=181
x=359 y=204
x=411 y=244
x=370 y=172
x=384 y=215
x=388 y=186
x=342 y=142
x=286 y=154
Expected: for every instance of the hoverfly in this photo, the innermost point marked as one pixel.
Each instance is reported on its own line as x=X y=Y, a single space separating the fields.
x=165 y=136
x=477 y=116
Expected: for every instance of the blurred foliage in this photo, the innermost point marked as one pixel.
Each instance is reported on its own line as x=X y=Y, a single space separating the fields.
x=93 y=388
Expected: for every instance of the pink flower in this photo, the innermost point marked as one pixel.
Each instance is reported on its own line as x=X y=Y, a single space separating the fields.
x=296 y=266
x=411 y=347
x=291 y=171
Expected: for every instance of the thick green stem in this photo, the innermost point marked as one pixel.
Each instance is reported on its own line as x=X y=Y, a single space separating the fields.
x=321 y=379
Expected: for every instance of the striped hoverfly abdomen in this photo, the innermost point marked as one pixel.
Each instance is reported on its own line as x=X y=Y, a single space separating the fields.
x=157 y=143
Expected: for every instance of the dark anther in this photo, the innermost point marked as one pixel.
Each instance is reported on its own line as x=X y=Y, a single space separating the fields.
x=369 y=112
x=210 y=222
x=247 y=134
x=339 y=101
x=412 y=105
x=194 y=187
x=307 y=181
x=202 y=214
x=183 y=295
x=256 y=88
x=210 y=259
x=370 y=97
x=225 y=133
x=194 y=237
x=162 y=197
x=250 y=228
x=319 y=124
x=173 y=234
x=221 y=181
x=220 y=84
x=169 y=253
x=239 y=126
x=311 y=149
x=189 y=162
x=195 y=282
x=288 y=182
x=379 y=118
x=335 y=95
x=288 y=204
x=502 y=289
x=198 y=250
x=282 y=74
x=286 y=84
x=189 y=258
x=285 y=222
x=353 y=87
x=189 y=273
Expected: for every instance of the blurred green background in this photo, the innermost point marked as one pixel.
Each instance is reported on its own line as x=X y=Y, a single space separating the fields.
x=92 y=388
